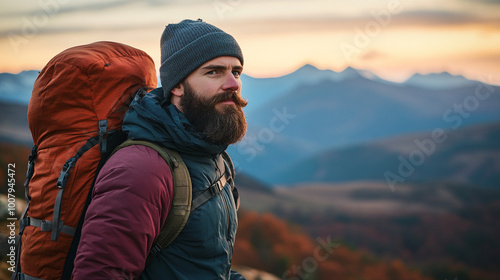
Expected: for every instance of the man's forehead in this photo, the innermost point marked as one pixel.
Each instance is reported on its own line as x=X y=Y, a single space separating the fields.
x=225 y=61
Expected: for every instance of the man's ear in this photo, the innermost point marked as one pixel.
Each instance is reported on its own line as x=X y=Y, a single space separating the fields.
x=178 y=90
x=177 y=93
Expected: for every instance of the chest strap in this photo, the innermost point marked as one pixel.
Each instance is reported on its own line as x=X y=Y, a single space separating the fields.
x=210 y=192
x=48 y=225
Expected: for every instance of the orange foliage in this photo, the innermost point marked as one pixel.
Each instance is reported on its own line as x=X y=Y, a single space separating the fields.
x=245 y=253
x=267 y=243
x=17 y=155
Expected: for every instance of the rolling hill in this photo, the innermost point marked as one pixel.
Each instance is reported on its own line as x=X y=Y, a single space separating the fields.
x=470 y=155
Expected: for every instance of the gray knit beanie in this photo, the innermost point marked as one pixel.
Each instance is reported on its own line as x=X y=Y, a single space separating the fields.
x=187 y=45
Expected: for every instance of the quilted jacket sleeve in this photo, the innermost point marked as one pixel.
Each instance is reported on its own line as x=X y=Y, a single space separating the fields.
x=132 y=197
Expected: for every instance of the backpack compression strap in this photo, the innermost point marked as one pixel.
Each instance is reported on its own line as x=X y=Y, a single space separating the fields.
x=29 y=174
x=56 y=225
x=181 y=204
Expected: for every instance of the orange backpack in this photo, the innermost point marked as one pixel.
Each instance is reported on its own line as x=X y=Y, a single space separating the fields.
x=75 y=116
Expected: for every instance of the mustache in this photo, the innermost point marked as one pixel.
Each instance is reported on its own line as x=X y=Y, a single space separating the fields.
x=229 y=95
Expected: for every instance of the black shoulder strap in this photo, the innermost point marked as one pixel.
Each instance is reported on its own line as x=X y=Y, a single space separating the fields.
x=113 y=140
x=229 y=163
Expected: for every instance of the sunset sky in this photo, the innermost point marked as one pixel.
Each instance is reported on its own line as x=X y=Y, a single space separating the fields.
x=392 y=38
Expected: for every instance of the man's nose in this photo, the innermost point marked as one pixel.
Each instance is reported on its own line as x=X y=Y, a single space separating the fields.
x=231 y=83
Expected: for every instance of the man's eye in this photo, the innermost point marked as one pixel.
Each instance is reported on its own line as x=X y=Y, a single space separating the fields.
x=212 y=72
x=236 y=73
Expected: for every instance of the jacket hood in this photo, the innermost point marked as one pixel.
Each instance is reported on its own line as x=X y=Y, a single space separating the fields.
x=151 y=117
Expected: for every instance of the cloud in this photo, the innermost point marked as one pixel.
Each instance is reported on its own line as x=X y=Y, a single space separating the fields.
x=68 y=6
x=72 y=30
x=417 y=18
x=59 y=8
x=484 y=57
x=36 y=17
x=373 y=55
x=85 y=16
x=494 y=2
x=440 y=17
x=251 y=25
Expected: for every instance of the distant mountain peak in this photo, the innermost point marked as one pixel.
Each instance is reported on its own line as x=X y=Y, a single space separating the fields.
x=309 y=72
x=350 y=71
x=305 y=70
x=443 y=80
x=308 y=67
x=16 y=88
x=353 y=73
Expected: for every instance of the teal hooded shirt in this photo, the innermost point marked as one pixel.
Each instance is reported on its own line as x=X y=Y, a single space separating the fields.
x=204 y=248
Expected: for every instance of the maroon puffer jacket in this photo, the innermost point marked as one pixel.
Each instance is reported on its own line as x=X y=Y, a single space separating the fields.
x=131 y=200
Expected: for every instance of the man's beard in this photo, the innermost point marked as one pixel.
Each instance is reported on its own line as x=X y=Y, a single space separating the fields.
x=222 y=127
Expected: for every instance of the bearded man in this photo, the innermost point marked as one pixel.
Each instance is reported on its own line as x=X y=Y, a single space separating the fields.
x=198 y=113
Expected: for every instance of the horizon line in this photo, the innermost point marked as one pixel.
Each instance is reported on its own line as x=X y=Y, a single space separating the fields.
x=374 y=72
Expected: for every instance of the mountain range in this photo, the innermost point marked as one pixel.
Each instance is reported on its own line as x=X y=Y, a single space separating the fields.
x=339 y=124
x=354 y=108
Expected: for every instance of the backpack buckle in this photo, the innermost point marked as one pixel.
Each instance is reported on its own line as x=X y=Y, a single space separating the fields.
x=31 y=165
x=103 y=131
x=155 y=249
x=63 y=177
